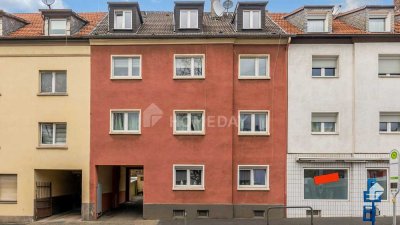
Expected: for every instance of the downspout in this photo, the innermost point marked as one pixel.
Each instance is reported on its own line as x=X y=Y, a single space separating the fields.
x=353 y=100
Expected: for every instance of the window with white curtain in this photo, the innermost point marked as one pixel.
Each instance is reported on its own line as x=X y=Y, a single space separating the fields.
x=316 y=23
x=125 y=122
x=53 y=134
x=189 y=66
x=189 y=19
x=57 y=27
x=253 y=122
x=53 y=82
x=188 y=177
x=377 y=24
x=8 y=188
x=324 y=123
x=324 y=66
x=389 y=65
x=189 y=122
x=389 y=122
x=254 y=66
x=253 y=177
x=123 y=19
x=126 y=67
x=251 y=19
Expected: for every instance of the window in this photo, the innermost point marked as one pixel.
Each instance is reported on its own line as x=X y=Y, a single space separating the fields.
x=203 y=213
x=389 y=65
x=189 y=19
x=251 y=19
x=324 y=123
x=179 y=213
x=381 y=178
x=253 y=178
x=53 y=134
x=259 y=213
x=389 y=122
x=8 y=188
x=57 y=27
x=126 y=67
x=53 y=82
x=324 y=66
x=125 y=122
x=253 y=67
x=377 y=24
x=337 y=190
x=188 y=177
x=189 y=66
x=123 y=19
x=189 y=122
x=254 y=122
x=316 y=25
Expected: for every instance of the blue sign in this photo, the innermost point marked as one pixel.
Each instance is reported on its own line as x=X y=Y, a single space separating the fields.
x=372 y=195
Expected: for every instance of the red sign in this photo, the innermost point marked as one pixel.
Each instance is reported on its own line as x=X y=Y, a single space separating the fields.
x=326 y=179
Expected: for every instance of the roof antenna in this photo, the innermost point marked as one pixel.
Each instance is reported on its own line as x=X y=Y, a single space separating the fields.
x=337 y=9
x=48 y=3
x=227 y=5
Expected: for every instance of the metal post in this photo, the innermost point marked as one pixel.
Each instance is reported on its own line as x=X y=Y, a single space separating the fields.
x=394 y=210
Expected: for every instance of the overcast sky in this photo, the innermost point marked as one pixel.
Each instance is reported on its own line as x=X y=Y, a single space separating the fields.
x=167 y=5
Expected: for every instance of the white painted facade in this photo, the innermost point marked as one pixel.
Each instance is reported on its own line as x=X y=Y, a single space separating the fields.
x=358 y=95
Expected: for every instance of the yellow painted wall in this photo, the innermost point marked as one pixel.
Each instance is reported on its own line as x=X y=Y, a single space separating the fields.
x=21 y=110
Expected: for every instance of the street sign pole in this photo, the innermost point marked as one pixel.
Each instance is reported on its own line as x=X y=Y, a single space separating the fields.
x=394 y=179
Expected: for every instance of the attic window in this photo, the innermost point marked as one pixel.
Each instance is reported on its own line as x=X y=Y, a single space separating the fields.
x=377 y=24
x=58 y=27
x=251 y=19
x=189 y=19
x=123 y=19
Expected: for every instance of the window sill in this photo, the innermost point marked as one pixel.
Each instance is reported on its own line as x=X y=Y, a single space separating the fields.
x=253 y=29
x=188 y=189
x=326 y=133
x=328 y=77
x=254 y=134
x=61 y=147
x=124 y=133
x=390 y=133
x=189 y=78
x=9 y=202
x=391 y=76
x=189 y=28
x=126 y=78
x=122 y=29
x=254 y=78
x=189 y=133
x=253 y=188
x=52 y=94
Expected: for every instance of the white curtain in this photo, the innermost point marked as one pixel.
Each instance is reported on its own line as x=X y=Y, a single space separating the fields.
x=181 y=122
x=133 y=121
x=260 y=122
x=118 y=121
x=197 y=122
x=61 y=133
x=377 y=24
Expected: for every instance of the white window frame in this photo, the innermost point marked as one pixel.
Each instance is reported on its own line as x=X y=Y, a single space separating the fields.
x=124 y=11
x=325 y=25
x=125 y=112
x=387 y=182
x=255 y=133
x=130 y=76
x=54 y=144
x=66 y=26
x=388 y=75
x=323 y=69
x=188 y=19
x=388 y=125
x=253 y=187
x=192 y=76
x=323 y=124
x=188 y=187
x=256 y=76
x=251 y=20
x=189 y=112
x=378 y=16
x=53 y=82
x=327 y=168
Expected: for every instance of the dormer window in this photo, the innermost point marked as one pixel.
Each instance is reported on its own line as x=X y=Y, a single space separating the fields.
x=123 y=19
x=57 y=27
x=316 y=23
x=251 y=19
x=189 y=19
x=377 y=24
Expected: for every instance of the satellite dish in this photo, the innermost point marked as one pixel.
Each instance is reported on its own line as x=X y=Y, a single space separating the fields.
x=228 y=4
x=217 y=7
x=48 y=3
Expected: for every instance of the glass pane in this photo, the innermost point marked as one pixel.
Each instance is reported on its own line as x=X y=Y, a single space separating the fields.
x=261 y=122
x=383 y=127
x=262 y=67
x=247 y=66
x=377 y=25
x=193 y=19
x=118 y=121
x=330 y=72
x=128 y=20
x=381 y=178
x=46 y=82
x=61 y=82
x=136 y=66
x=184 y=19
x=246 y=19
x=198 y=66
x=58 y=26
x=259 y=176
x=119 y=16
x=316 y=127
x=330 y=127
x=256 y=19
x=133 y=121
x=395 y=127
x=316 y=72
x=197 y=122
x=336 y=190
x=181 y=122
x=183 y=66
x=121 y=66
x=195 y=177
x=316 y=25
x=244 y=177
x=47 y=133
x=61 y=133
x=180 y=177
x=245 y=122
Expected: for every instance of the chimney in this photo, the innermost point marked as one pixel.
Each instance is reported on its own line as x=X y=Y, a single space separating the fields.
x=396 y=6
